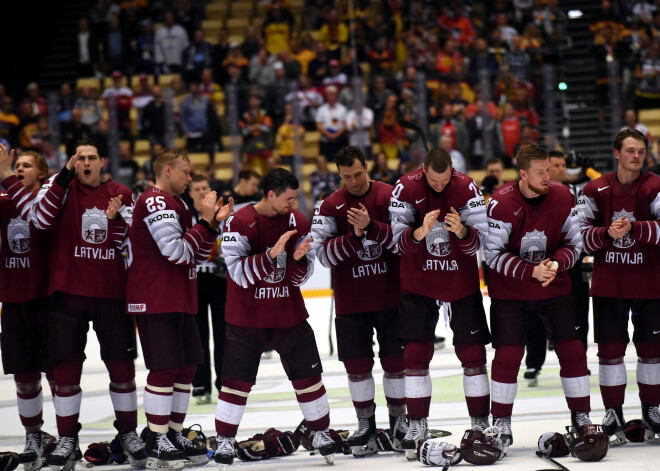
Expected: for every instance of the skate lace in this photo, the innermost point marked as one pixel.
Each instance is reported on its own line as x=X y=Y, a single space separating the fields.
x=183 y=440
x=65 y=446
x=416 y=429
x=32 y=443
x=504 y=424
x=611 y=418
x=582 y=418
x=225 y=446
x=654 y=414
x=164 y=444
x=322 y=438
x=363 y=427
x=480 y=423
x=132 y=441
x=401 y=425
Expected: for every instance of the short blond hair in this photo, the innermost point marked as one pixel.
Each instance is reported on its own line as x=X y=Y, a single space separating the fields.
x=167 y=158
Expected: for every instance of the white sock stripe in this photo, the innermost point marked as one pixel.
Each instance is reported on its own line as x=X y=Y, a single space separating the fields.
x=504 y=393
x=228 y=412
x=575 y=387
x=394 y=388
x=157 y=404
x=30 y=407
x=316 y=409
x=235 y=392
x=160 y=389
x=362 y=391
x=612 y=375
x=180 y=402
x=648 y=373
x=476 y=386
x=124 y=402
x=67 y=405
x=312 y=388
x=183 y=387
x=418 y=386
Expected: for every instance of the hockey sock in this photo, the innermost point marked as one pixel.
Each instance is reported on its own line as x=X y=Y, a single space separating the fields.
x=416 y=357
x=313 y=402
x=394 y=385
x=50 y=377
x=181 y=397
x=612 y=373
x=475 y=378
x=573 y=372
x=648 y=372
x=123 y=393
x=30 y=400
x=361 y=383
x=504 y=378
x=158 y=398
x=68 y=396
x=231 y=405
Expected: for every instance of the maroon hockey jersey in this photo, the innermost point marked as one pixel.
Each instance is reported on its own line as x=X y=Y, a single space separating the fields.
x=23 y=251
x=85 y=247
x=262 y=292
x=441 y=266
x=164 y=250
x=628 y=267
x=521 y=235
x=359 y=267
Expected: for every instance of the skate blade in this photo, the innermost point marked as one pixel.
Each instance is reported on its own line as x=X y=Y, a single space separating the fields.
x=33 y=465
x=330 y=459
x=650 y=436
x=411 y=455
x=156 y=464
x=618 y=439
x=396 y=446
x=199 y=460
x=366 y=450
x=532 y=383
x=138 y=464
x=223 y=467
x=68 y=466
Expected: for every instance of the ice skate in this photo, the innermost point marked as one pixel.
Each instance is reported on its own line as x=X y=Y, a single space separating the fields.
x=580 y=419
x=133 y=447
x=196 y=453
x=31 y=458
x=418 y=432
x=614 y=424
x=224 y=453
x=399 y=428
x=324 y=443
x=532 y=377
x=161 y=453
x=506 y=435
x=651 y=423
x=66 y=454
x=363 y=440
x=479 y=423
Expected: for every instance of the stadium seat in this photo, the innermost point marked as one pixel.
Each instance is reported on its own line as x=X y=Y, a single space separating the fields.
x=227 y=141
x=142 y=146
x=243 y=9
x=311 y=136
x=393 y=164
x=237 y=26
x=224 y=174
x=223 y=159
x=647 y=117
x=141 y=159
x=165 y=80
x=199 y=158
x=180 y=143
x=93 y=83
x=135 y=82
x=107 y=82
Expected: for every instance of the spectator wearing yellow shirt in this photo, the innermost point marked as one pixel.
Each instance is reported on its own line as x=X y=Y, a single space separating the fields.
x=9 y=121
x=289 y=138
x=334 y=34
x=302 y=55
x=276 y=31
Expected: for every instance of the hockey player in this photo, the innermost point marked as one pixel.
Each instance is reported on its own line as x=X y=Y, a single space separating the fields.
x=619 y=215
x=351 y=234
x=24 y=296
x=267 y=250
x=162 y=293
x=211 y=293
x=438 y=217
x=533 y=240
x=88 y=222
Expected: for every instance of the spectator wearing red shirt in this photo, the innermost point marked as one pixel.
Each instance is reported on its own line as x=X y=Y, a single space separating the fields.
x=37 y=103
x=508 y=132
x=447 y=56
x=458 y=26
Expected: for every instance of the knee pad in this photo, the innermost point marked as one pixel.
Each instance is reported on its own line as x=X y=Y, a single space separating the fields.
x=648 y=352
x=609 y=351
x=359 y=366
x=509 y=356
x=121 y=372
x=26 y=385
x=68 y=373
x=418 y=355
x=163 y=378
x=392 y=365
x=471 y=356
x=569 y=350
x=186 y=374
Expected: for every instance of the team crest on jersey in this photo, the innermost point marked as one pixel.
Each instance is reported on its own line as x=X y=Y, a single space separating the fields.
x=18 y=235
x=533 y=246
x=279 y=272
x=627 y=240
x=94 y=226
x=371 y=250
x=437 y=241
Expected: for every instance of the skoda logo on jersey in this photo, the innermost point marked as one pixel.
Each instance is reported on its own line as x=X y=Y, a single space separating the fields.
x=279 y=272
x=627 y=240
x=94 y=226
x=18 y=235
x=437 y=241
x=371 y=250
x=533 y=246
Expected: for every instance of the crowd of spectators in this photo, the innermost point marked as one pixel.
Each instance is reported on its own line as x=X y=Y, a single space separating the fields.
x=466 y=72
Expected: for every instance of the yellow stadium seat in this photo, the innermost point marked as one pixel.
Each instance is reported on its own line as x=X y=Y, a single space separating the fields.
x=180 y=143
x=93 y=83
x=647 y=117
x=142 y=146
x=107 y=82
x=224 y=174
x=393 y=164
x=199 y=158
x=223 y=159
x=312 y=136
x=141 y=159
x=135 y=82
x=166 y=79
